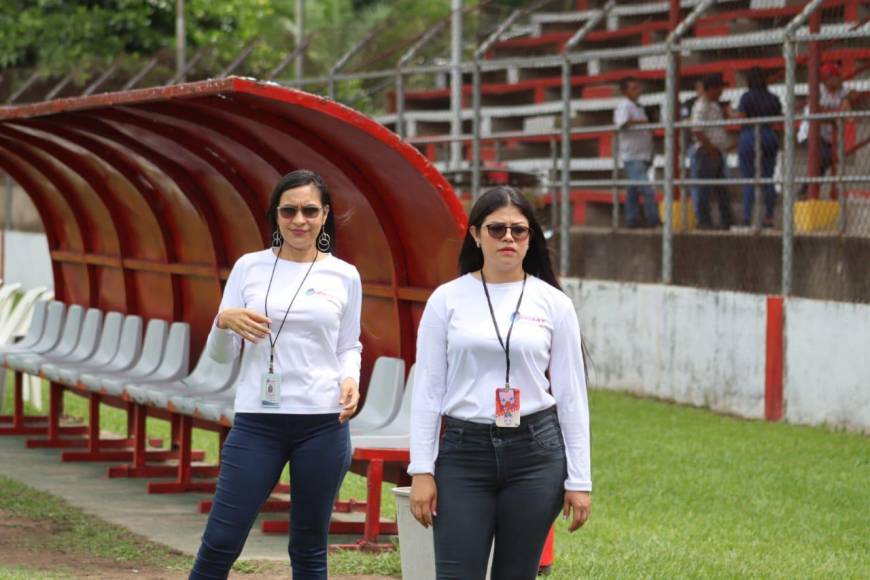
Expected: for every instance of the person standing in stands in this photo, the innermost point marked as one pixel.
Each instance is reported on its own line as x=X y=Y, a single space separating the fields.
x=833 y=98
x=711 y=144
x=758 y=101
x=500 y=420
x=636 y=154
x=296 y=308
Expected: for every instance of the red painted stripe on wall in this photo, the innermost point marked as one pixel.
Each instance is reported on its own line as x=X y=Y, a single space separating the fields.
x=774 y=359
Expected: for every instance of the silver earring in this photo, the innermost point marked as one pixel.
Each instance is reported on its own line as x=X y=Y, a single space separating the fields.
x=277 y=239
x=324 y=242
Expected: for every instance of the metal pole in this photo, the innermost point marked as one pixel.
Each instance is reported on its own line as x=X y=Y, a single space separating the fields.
x=565 y=209
x=297 y=53
x=456 y=83
x=345 y=58
x=400 y=103
x=59 y=86
x=400 y=76
x=475 y=131
x=140 y=75
x=100 y=80
x=23 y=88
x=756 y=213
x=671 y=89
x=841 y=167
x=614 y=222
x=554 y=195
x=180 y=41
x=300 y=38
x=789 y=54
x=237 y=62
x=685 y=193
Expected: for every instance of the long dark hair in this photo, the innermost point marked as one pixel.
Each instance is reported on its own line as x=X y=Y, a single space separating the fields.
x=537 y=261
x=300 y=178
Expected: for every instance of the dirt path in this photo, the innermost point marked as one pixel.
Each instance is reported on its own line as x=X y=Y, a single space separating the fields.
x=23 y=543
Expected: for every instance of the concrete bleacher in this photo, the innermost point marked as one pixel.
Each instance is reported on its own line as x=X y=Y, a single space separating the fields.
x=526 y=98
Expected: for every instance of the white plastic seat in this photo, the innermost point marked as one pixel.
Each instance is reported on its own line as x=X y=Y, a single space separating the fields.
x=7 y=302
x=19 y=321
x=218 y=407
x=126 y=352
x=173 y=367
x=209 y=376
x=48 y=339
x=147 y=360
x=34 y=331
x=66 y=343
x=395 y=435
x=383 y=397
x=85 y=346
x=101 y=355
x=213 y=405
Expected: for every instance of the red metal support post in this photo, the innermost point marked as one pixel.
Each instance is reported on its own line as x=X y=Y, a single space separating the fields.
x=773 y=407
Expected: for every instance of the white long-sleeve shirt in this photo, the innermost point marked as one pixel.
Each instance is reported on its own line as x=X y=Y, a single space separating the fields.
x=319 y=346
x=460 y=364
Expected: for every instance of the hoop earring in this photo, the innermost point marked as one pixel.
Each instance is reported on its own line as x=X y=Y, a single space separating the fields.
x=277 y=239
x=324 y=241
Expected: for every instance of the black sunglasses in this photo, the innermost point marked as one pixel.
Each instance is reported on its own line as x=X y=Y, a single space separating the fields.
x=498 y=231
x=288 y=212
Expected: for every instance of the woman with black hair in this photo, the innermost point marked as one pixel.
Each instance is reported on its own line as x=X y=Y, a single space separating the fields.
x=296 y=308
x=758 y=101
x=500 y=422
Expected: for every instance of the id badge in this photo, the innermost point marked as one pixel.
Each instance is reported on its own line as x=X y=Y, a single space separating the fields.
x=507 y=407
x=270 y=391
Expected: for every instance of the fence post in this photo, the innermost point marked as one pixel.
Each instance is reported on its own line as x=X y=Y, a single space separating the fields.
x=475 y=129
x=841 y=167
x=788 y=166
x=671 y=89
x=614 y=217
x=757 y=188
x=400 y=102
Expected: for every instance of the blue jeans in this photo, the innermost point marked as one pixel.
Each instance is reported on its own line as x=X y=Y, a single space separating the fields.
x=637 y=170
x=252 y=459
x=706 y=165
x=502 y=484
x=746 y=153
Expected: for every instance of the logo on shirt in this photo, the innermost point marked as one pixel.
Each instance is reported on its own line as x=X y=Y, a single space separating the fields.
x=519 y=316
x=322 y=293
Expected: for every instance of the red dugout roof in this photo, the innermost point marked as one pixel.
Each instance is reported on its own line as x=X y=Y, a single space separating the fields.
x=149 y=196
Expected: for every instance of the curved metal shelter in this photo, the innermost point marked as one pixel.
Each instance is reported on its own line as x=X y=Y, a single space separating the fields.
x=149 y=196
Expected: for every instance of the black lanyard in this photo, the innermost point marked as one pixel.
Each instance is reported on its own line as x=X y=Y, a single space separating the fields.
x=272 y=342
x=505 y=344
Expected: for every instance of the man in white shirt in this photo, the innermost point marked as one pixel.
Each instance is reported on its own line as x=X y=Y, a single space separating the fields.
x=636 y=153
x=833 y=98
x=711 y=143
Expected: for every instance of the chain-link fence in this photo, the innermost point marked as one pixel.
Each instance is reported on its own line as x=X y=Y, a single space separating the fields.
x=724 y=149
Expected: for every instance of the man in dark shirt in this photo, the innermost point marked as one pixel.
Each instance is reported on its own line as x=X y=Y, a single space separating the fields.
x=758 y=101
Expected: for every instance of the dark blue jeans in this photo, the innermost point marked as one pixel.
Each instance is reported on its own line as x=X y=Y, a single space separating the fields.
x=499 y=484
x=637 y=170
x=746 y=153
x=706 y=165
x=253 y=457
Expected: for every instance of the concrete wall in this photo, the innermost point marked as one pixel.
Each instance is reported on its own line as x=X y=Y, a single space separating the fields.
x=827 y=363
x=707 y=348
x=26 y=259
x=697 y=347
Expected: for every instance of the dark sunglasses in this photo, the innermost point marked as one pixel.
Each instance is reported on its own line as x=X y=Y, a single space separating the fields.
x=498 y=231
x=288 y=212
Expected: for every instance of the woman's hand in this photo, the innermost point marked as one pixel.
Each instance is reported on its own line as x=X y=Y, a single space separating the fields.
x=580 y=503
x=348 y=400
x=249 y=324
x=424 y=498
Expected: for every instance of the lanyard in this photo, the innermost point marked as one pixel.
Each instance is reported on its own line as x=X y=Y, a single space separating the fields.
x=505 y=344
x=272 y=342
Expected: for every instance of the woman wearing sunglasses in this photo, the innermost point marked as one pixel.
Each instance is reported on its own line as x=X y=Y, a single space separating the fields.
x=296 y=309
x=500 y=423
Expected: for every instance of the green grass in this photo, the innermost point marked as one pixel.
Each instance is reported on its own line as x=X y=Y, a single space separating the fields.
x=682 y=492
x=72 y=529
x=21 y=573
